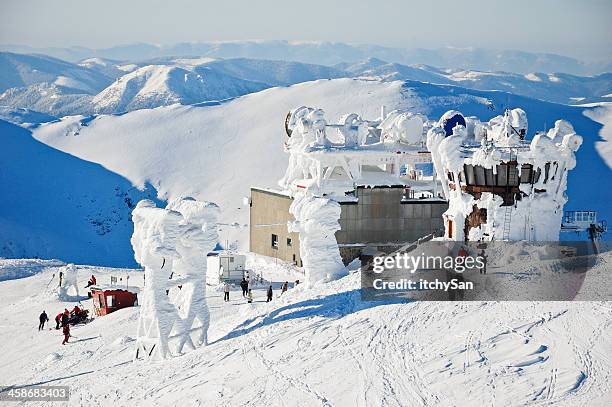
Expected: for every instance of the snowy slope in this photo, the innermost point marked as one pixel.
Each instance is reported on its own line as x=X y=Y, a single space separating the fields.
x=108 y=67
x=55 y=205
x=24 y=116
x=274 y=73
x=318 y=347
x=24 y=70
x=554 y=87
x=217 y=152
x=48 y=98
x=159 y=85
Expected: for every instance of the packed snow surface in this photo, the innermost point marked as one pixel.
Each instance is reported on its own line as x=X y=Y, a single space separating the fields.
x=314 y=347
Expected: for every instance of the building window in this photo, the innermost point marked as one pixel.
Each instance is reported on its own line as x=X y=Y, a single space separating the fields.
x=289 y=242
x=526 y=174
x=231 y=259
x=274 y=241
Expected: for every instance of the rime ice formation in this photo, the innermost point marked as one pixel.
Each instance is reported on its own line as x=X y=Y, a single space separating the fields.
x=172 y=244
x=499 y=186
x=392 y=141
x=316 y=220
x=198 y=239
x=324 y=170
x=69 y=280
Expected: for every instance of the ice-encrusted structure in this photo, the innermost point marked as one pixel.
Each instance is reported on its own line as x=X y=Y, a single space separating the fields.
x=198 y=239
x=500 y=186
x=325 y=169
x=316 y=220
x=68 y=282
x=365 y=152
x=172 y=244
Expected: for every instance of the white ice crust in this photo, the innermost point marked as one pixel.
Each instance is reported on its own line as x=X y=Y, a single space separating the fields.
x=316 y=221
x=536 y=217
x=172 y=245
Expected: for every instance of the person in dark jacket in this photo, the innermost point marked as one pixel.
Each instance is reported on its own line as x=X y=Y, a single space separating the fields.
x=66 y=332
x=245 y=286
x=42 y=319
x=269 y=293
x=65 y=317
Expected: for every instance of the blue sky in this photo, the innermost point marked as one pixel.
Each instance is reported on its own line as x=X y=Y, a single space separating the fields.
x=577 y=28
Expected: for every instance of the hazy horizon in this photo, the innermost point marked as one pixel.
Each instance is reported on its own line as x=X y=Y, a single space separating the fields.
x=576 y=29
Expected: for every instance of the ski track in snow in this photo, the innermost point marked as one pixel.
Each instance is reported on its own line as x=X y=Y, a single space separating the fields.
x=319 y=347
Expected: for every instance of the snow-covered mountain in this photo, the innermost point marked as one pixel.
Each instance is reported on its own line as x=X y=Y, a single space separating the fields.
x=19 y=70
x=274 y=73
x=153 y=86
x=553 y=87
x=331 y=53
x=108 y=67
x=98 y=85
x=55 y=205
x=48 y=98
x=217 y=152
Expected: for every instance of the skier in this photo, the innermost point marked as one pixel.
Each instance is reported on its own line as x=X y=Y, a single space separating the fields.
x=285 y=287
x=269 y=293
x=76 y=310
x=66 y=332
x=250 y=296
x=226 y=290
x=42 y=318
x=58 y=320
x=245 y=286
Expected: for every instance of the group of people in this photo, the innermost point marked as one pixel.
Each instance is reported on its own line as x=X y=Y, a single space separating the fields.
x=62 y=319
x=247 y=292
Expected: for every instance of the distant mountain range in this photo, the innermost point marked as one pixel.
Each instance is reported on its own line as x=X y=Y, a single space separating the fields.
x=74 y=203
x=332 y=53
x=96 y=85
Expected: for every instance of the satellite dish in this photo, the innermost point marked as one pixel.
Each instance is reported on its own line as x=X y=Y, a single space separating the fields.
x=450 y=119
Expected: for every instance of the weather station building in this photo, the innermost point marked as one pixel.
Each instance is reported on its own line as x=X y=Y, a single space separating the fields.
x=374 y=177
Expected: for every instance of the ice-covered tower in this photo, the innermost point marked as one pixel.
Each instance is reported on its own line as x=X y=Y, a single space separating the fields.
x=500 y=186
x=325 y=169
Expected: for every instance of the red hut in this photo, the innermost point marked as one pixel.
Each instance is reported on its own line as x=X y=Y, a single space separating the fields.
x=107 y=301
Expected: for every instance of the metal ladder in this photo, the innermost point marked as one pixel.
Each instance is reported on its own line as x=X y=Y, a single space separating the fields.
x=512 y=178
x=507 y=221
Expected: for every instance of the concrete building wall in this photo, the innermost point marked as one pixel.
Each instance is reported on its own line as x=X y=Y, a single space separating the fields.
x=269 y=214
x=380 y=217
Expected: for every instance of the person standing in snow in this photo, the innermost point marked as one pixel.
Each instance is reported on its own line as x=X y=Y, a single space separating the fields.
x=250 y=296
x=65 y=317
x=66 y=332
x=269 y=293
x=226 y=290
x=285 y=287
x=245 y=286
x=483 y=255
x=58 y=320
x=42 y=318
